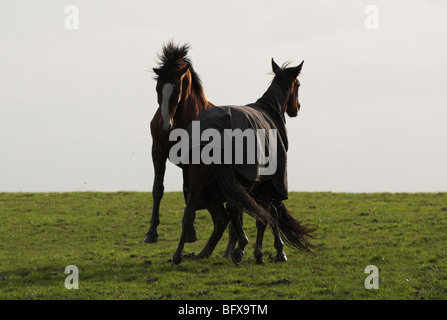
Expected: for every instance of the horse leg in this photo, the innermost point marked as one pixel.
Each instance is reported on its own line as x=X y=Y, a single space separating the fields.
x=259 y=239
x=159 y=162
x=277 y=243
x=235 y=214
x=198 y=175
x=266 y=203
x=189 y=216
x=232 y=240
x=220 y=220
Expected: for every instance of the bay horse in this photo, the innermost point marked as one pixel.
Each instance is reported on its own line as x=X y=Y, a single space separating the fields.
x=181 y=98
x=211 y=185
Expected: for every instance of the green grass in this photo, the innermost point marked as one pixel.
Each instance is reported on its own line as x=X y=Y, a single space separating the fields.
x=404 y=235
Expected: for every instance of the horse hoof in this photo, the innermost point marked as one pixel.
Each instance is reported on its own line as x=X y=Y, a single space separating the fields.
x=176 y=259
x=281 y=257
x=151 y=238
x=260 y=261
x=236 y=256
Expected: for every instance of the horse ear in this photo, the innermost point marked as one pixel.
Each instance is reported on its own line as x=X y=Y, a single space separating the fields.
x=297 y=70
x=275 y=67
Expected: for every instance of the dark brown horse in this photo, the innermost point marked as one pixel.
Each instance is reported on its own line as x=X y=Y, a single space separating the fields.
x=210 y=186
x=181 y=98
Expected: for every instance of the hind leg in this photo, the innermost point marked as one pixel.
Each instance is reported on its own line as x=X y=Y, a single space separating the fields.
x=235 y=214
x=187 y=224
x=198 y=175
x=278 y=243
x=233 y=236
x=264 y=196
x=258 y=245
x=232 y=239
x=265 y=203
x=220 y=220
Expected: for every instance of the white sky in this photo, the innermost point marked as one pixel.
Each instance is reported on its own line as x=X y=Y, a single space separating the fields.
x=75 y=105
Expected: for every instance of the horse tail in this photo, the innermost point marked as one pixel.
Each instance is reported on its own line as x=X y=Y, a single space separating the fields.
x=236 y=194
x=292 y=231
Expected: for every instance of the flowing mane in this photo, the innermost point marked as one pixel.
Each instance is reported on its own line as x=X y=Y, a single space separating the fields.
x=172 y=56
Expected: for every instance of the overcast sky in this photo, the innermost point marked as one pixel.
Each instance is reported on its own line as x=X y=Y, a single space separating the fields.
x=75 y=105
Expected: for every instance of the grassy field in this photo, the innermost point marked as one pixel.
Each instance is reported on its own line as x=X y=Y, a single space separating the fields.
x=404 y=235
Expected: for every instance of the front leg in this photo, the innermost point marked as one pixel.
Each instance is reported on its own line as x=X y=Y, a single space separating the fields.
x=159 y=161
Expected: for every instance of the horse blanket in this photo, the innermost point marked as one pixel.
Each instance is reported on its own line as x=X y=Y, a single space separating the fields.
x=265 y=114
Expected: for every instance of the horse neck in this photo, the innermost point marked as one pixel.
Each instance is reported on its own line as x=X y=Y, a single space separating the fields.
x=274 y=98
x=190 y=106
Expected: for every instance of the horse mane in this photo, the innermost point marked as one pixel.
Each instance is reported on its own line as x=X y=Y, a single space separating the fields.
x=173 y=56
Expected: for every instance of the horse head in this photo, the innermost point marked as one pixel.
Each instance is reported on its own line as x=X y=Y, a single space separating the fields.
x=287 y=79
x=174 y=77
x=171 y=88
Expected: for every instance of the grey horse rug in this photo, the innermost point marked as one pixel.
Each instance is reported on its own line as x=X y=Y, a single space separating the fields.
x=242 y=136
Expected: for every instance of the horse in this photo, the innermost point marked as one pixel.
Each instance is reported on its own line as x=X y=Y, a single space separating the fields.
x=210 y=185
x=181 y=98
